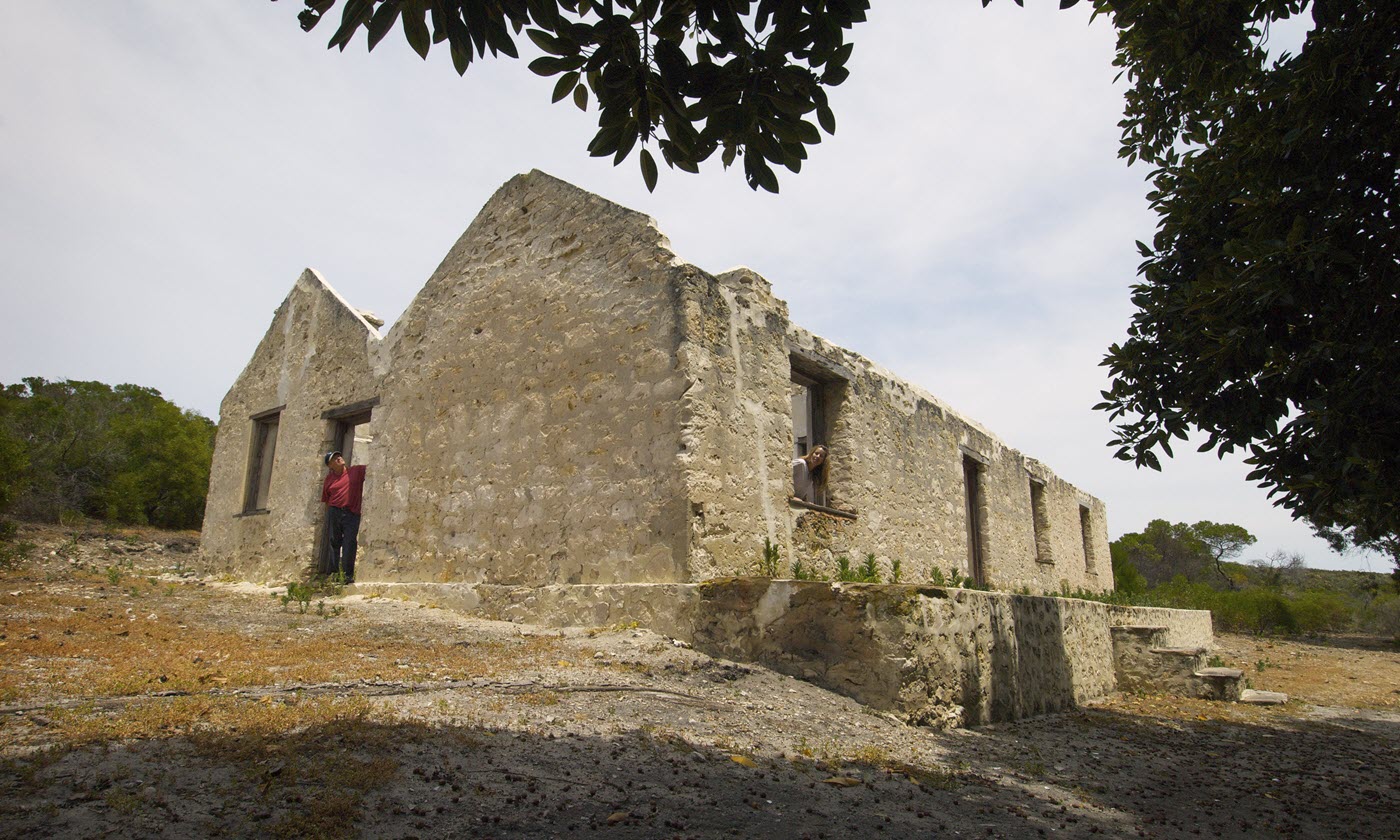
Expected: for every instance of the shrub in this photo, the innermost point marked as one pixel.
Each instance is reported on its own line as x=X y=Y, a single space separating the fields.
x=1257 y=611
x=1319 y=612
x=1382 y=616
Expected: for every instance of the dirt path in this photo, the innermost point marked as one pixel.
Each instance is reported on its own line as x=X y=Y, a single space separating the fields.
x=385 y=719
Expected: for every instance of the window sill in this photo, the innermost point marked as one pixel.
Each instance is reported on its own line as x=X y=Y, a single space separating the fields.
x=257 y=512
x=829 y=511
x=1045 y=562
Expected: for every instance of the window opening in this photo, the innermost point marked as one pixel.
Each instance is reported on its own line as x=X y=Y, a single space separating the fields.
x=260 y=457
x=809 y=427
x=808 y=414
x=972 y=483
x=1040 y=520
x=1086 y=531
x=817 y=390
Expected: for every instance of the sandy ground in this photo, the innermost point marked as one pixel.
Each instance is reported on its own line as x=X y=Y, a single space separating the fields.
x=140 y=701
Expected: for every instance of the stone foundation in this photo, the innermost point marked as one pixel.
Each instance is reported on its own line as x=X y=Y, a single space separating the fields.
x=931 y=655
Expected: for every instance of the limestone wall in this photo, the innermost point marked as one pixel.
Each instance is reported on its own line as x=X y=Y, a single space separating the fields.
x=897 y=462
x=529 y=428
x=565 y=402
x=937 y=656
x=933 y=655
x=1184 y=628
x=737 y=432
x=318 y=354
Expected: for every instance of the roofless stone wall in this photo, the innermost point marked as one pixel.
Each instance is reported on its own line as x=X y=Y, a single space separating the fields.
x=531 y=416
x=899 y=463
x=318 y=353
x=566 y=402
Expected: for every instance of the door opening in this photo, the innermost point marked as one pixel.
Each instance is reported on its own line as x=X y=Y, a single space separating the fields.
x=350 y=433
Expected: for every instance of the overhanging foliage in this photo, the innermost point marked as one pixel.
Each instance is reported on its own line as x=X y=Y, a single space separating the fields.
x=1269 y=309
x=745 y=79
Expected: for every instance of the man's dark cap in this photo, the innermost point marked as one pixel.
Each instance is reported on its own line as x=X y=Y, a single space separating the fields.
x=330 y=455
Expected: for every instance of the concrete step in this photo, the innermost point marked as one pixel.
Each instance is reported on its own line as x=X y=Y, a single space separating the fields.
x=1146 y=635
x=1263 y=698
x=1179 y=651
x=1218 y=683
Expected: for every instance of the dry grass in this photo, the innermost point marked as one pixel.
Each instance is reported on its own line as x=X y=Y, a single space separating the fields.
x=204 y=717
x=1361 y=673
x=86 y=637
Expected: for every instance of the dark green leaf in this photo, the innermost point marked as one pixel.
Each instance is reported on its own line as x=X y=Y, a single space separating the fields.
x=564 y=86
x=415 y=29
x=648 y=170
x=382 y=21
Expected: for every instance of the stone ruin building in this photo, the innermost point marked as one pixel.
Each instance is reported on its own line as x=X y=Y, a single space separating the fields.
x=569 y=424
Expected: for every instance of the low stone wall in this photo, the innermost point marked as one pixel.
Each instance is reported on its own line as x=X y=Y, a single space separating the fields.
x=1184 y=628
x=934 y=656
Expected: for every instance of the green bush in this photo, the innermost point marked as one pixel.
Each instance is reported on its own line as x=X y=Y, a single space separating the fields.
x=1321 y=612
x=1258 y=611
x=1382 y=616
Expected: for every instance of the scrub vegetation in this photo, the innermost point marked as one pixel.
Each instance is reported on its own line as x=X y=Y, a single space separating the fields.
x=72 y=450
x=1180 y=565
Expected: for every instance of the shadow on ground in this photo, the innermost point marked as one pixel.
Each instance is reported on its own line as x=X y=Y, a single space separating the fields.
x=1086 y=773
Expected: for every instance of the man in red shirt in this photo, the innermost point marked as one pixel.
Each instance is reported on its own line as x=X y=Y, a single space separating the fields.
x=342 y=492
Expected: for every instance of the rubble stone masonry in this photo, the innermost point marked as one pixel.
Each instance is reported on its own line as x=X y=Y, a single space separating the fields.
x=567 y=402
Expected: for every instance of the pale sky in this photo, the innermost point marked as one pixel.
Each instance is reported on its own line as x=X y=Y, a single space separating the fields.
x=168 y=168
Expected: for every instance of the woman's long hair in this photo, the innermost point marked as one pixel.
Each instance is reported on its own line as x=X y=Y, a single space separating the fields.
x=818 y=473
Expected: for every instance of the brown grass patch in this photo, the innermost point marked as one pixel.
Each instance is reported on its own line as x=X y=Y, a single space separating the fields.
x=85 y=637
x=1328 y=672
x=203 y=717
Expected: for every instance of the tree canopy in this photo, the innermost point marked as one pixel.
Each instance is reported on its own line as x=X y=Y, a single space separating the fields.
x=1269 y=308
x=745 y=79
x=1164 y=550
x=124 y=454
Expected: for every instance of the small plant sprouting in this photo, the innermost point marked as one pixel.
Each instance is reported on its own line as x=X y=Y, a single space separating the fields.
x=1263 y=665
x=936 y=577
x=114 y=575
x=768 y=564
x=69 y=549
x=895 y=571
x=299 y=592
x=867 y=572
x=1215 y=661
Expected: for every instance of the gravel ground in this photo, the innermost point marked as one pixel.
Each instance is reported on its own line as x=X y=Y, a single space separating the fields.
x=365 y=717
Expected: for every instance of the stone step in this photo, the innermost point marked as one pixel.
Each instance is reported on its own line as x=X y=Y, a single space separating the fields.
x=1263 y=698
x=1218 y=683
x=1139 y=635
x=1220 y=673
x=1179 y=651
